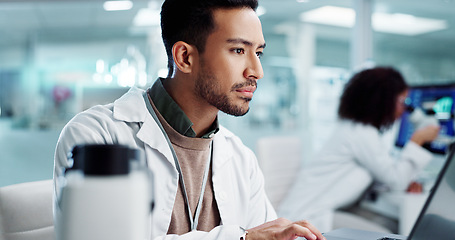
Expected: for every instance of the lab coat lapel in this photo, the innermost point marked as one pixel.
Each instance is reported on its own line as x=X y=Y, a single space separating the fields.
x=152 y=135
x=221 y=176
x=221 y=152
x=131 y=107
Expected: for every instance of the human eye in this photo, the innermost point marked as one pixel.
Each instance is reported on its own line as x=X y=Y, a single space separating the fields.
x=259 y=54
x=239 y=50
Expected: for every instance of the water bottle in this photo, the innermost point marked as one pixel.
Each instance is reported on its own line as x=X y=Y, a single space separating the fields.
x=106 y=195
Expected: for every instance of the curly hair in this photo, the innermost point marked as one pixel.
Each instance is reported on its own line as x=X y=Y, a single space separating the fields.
x=370 y=97
x=191 y=21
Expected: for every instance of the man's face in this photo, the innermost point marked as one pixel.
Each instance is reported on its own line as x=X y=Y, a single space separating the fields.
x=230 y=66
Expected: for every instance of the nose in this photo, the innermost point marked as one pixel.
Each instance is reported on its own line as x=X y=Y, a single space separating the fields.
x=254 y=68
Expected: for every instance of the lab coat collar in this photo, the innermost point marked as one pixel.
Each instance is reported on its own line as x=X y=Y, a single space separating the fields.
x=125 y=109
x=132 y=108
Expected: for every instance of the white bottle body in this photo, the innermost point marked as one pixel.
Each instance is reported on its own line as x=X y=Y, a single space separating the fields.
x=105 y=207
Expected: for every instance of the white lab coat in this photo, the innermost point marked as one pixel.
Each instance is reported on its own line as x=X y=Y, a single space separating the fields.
x=353 y=157
x=238 y=182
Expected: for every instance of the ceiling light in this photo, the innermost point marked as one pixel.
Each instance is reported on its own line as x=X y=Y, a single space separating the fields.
x=406 y=24
x=330 y=15
x=147 y=17
x=117 y=5
x=99 y=66
x=396 y=23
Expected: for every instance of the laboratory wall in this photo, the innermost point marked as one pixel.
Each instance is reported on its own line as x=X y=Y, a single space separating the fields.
x=52 y=67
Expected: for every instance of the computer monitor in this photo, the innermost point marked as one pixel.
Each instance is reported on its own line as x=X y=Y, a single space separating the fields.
x=437 y=100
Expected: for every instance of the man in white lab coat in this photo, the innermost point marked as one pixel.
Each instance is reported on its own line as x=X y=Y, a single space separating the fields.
x=214 y=49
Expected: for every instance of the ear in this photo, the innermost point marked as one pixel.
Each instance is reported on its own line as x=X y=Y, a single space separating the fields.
x=184 y=56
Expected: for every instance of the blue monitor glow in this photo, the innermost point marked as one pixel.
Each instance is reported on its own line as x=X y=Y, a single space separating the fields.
x=434 y=99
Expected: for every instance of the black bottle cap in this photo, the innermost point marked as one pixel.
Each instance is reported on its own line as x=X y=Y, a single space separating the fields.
x=102 y=159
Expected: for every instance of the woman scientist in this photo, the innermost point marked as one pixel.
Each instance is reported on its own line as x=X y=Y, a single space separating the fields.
x=355 y=155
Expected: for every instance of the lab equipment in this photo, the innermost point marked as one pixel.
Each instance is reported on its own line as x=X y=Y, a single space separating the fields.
x=432 y=102
x=420 y=120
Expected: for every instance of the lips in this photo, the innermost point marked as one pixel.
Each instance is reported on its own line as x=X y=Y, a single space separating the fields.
x=247 y=92
x=247 y=89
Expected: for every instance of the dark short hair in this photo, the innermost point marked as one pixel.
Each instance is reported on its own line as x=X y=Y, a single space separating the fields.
x=370 y=97
x=191 y=21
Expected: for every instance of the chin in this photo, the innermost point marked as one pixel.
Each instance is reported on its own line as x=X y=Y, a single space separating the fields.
x=244 y=110
x=237 y=111
x=240 y=114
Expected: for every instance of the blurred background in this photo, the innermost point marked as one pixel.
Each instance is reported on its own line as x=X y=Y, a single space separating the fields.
x=59 y=57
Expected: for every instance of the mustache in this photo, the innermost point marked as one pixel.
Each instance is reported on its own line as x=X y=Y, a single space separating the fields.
x=247 y=83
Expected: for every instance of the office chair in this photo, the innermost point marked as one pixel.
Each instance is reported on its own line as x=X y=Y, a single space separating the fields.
x=279 y=158
x=26 y=211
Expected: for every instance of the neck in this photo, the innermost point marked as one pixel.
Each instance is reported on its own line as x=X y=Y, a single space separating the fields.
x=200 y=113
x=201 y=121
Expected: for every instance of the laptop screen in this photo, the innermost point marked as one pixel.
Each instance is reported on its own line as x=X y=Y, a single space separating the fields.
x=437 y=219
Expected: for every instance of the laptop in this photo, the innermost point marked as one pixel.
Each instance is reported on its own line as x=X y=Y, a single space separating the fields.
x=436 y=220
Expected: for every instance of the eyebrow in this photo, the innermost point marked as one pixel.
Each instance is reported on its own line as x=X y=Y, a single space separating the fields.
x=243 y=41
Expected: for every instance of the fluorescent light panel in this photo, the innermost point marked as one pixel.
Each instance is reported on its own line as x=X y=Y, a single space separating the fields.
x=117 y=5
x=330 y=15
x=147 y=17
x=406 y=24
x=396 y=23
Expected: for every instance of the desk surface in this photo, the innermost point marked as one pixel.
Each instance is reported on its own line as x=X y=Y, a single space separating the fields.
x=405 y=207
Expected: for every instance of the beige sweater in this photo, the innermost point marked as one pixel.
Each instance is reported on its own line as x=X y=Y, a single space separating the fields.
x=192 y=154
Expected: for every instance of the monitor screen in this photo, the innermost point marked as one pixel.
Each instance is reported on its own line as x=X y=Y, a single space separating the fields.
x=436 y=101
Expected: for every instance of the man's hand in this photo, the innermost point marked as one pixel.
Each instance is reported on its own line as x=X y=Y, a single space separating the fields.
x=283 y=229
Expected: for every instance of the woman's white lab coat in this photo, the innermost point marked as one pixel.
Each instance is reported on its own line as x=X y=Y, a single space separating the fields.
x=237 y=180
x=354 y=156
